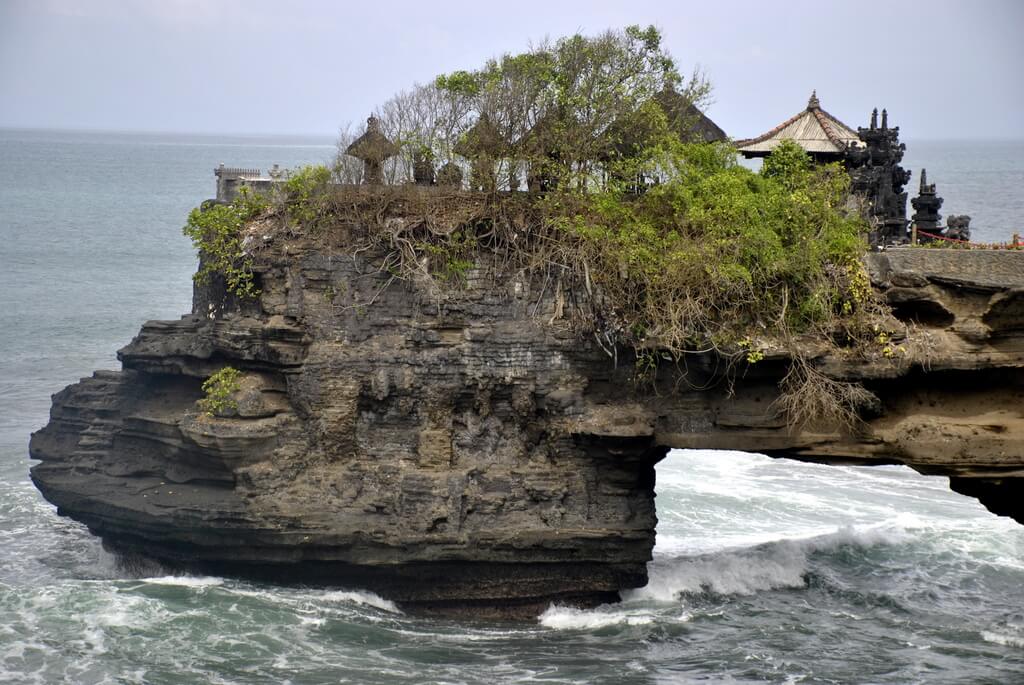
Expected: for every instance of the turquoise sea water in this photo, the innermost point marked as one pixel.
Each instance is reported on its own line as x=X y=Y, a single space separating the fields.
x=765 y=571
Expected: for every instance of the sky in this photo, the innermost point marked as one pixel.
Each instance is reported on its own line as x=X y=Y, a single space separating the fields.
x=944 y=69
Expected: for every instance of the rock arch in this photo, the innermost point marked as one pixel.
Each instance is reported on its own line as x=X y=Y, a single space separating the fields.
x=471 y=453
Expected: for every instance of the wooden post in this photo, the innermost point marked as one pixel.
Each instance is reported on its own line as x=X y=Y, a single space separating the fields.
x=1016 y=240
x=913 y=234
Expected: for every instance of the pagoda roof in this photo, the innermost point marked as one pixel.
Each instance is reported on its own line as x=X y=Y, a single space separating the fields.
x=372 y=145
x=813 y=129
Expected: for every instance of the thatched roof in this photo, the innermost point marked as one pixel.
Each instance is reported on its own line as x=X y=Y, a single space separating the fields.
x=691 y=124
x=628 y=133
x=813 y=129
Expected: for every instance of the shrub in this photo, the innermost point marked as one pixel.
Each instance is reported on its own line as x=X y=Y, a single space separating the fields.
x=219 y=390
x=215 y=232
x=305 y=196
x=715 y=252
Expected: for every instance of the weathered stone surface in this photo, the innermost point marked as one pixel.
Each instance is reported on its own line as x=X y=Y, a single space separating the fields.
x=466 y=450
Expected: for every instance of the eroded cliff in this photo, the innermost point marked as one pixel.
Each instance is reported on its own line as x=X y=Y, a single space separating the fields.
x=464 y=449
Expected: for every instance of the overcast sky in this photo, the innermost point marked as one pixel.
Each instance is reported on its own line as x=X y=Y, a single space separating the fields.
x=943 y=69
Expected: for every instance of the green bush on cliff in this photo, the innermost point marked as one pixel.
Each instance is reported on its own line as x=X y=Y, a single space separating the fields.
x=304 y=200
x=219 y=390
x=216 y=232
x=687 y=249
x=715 y=252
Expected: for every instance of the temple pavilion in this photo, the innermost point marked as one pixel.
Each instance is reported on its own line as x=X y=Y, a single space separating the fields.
x=824 y=137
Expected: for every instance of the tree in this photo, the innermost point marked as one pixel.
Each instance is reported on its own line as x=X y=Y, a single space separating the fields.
x=557 y=105
x=560 y=110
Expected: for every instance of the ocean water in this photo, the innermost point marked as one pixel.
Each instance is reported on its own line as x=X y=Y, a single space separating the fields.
x=765 y=570
x=983 y=179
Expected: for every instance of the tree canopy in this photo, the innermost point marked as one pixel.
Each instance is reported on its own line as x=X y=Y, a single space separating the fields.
x=569 y=111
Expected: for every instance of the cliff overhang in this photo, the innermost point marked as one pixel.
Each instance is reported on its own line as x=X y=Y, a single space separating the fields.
x=467 y=450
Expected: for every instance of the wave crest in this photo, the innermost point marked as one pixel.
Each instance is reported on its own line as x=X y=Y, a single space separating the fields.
x=568 y=618
x=745 y=571
x=362 y=597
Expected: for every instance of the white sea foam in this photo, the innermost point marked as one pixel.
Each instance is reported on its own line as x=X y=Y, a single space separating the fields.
x=184 y=581
x=568 y=618
x=1003 y=639
x=314 y=621
x=317 y=598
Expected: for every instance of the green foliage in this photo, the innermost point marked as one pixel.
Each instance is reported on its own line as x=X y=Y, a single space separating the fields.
x=645 y=366
x=305 y=200
x=459 y=82
x=788 y=164
x=216 y=232
x=562 y=106
x=715 y=250
x=219 y=390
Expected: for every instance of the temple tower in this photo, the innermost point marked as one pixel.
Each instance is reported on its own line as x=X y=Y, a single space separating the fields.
x=926 y=210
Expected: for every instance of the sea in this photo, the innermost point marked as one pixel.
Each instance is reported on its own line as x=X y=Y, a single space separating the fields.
x=765 y=571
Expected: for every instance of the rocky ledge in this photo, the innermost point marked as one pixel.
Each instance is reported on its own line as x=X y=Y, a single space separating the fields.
x=466 y=450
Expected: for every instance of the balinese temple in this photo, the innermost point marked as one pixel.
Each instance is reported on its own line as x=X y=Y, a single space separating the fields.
x=871 y=155
x=926 y=210
x=823 y=136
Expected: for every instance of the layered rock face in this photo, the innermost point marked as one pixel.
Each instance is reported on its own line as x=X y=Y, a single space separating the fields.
x=463 y=449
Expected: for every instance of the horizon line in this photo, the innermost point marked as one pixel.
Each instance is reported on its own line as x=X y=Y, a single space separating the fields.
x=265 y=134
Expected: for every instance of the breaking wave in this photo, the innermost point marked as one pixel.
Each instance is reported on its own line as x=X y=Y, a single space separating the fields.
x=361 y=597
x=184 y=581
x=568 y=618
x=745 y=571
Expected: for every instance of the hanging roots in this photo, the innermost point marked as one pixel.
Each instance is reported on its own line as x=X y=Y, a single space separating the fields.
x=808 y=396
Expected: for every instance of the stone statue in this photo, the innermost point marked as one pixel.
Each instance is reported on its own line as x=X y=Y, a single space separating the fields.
x=482 y=145
x=958 y=227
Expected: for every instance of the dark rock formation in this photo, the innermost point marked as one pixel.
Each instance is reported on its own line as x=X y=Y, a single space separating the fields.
x=466 y=450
